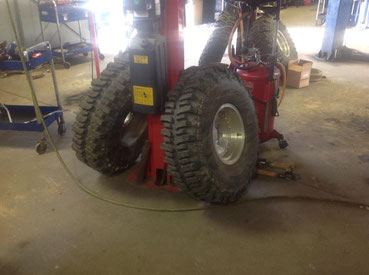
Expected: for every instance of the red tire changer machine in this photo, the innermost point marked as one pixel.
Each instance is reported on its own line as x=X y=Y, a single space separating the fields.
x=156 y=62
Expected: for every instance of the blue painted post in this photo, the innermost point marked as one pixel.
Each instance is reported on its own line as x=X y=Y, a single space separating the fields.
x=338 y=14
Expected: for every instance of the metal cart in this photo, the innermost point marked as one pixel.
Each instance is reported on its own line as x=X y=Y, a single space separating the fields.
x=61 y=13
x=24 y=118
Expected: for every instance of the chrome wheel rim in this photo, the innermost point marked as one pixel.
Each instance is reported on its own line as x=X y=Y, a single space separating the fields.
x=128 y=119
x=132 y=128
x=228 y=134
x=283 y=43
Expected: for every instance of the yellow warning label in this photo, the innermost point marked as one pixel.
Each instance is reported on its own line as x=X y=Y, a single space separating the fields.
x=141 y=59
x=143 y=95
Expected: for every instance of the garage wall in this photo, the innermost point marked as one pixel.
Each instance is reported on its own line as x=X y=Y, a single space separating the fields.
x=29 y=20
x=5 y=30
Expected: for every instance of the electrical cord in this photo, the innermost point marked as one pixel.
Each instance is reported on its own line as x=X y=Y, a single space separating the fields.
x=138 y=207
x=7 y=112
x=44 y=116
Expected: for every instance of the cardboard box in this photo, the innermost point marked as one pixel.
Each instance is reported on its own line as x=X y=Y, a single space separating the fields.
x=298 y=74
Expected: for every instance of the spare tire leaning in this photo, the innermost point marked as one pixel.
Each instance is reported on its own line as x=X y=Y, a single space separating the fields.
x=108 y=137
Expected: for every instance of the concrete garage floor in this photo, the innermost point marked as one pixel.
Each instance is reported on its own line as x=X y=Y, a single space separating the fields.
x=49 y=226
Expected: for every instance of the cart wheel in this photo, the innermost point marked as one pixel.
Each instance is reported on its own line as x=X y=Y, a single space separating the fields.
x=101 y=56
x=41 y=147
x=66 y=65
x=62 y=129
x=85 y=54
x=283 y=143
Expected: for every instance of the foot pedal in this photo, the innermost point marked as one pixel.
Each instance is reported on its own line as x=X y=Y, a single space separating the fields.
x=268 y=168
x=143 y=162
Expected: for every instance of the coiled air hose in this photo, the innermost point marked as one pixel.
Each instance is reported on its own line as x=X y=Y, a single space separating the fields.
x=237 y=64
x=138 y=207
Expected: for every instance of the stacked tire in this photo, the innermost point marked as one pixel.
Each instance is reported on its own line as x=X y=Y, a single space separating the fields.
x=108 y=137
